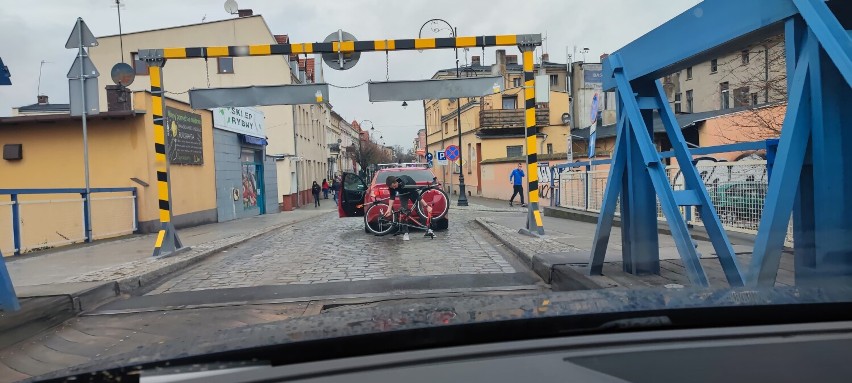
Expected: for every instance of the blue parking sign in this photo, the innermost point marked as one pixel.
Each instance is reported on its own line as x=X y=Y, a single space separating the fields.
x=429 y=157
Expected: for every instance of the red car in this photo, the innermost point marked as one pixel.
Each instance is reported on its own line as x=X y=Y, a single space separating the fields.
x=356 y=193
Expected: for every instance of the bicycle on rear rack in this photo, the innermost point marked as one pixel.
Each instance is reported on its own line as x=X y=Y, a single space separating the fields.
x=378 y=223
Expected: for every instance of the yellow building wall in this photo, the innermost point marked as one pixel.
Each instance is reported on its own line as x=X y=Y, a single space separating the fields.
x=119 y=149
x=193 y=186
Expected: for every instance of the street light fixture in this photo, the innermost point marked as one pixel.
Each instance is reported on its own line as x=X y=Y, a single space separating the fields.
x=453 y=33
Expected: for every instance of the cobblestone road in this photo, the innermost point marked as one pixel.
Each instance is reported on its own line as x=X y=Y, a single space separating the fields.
x=329 y=249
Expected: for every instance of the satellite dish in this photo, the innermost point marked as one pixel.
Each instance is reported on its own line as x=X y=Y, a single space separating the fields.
x=122 y=74
x=231 y=7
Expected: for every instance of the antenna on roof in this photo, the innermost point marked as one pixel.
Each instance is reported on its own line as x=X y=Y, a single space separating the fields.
x=38 y=90
x=118 y=5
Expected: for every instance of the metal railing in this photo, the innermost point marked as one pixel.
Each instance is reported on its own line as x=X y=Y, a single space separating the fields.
x=737 y=189
x=37 y=219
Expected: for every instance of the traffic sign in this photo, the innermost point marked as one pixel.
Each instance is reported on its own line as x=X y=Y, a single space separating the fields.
x=429 y=157
x=81 y=35
x=340 y=60
x=75 y=95
x=452 y=152
x=4 y=74
x=442 y=157
x=88 y=67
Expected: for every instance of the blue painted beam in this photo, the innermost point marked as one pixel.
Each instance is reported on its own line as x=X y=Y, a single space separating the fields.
x=743 y=21
x=835 y=40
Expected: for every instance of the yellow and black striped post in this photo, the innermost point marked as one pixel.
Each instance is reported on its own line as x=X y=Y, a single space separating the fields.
x=534 y=223
x=167 y=238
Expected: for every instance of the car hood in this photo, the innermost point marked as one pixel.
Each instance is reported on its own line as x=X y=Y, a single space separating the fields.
x=342 y=322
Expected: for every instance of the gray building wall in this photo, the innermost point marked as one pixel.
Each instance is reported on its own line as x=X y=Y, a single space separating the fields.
x=270 y=174
x=226 y=146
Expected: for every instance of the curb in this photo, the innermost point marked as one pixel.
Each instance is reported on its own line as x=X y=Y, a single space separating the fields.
x=553 y=268
x=48 y=311
x=137 y=283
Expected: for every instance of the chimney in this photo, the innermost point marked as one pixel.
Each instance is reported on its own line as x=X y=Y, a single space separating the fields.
x=474 y=61
x=545 y=57
x=604 y=56
x=118 y=98
x=42 y=99
x=244 y=12
x=512 y=59
x=500 y=62
x=282 y=39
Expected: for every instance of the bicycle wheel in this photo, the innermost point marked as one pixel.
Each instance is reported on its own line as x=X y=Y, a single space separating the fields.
x=375 y=220
x=437 y=199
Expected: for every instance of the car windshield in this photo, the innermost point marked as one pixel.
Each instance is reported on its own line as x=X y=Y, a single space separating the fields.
x=192 y=176
x=419 y=175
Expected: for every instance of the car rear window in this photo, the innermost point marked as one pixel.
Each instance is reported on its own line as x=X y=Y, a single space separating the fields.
x=419 y=175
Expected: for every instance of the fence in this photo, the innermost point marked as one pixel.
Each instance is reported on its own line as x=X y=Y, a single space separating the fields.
x=737 y=190
x=37 y=219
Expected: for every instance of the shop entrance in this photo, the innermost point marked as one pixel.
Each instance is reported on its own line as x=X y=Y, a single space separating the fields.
x=253 y=196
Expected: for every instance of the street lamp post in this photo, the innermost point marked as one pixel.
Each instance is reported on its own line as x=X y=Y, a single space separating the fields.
x=454 y=32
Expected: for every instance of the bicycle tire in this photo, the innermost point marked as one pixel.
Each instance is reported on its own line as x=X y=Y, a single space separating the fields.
x=439 y=209
x=375 y=221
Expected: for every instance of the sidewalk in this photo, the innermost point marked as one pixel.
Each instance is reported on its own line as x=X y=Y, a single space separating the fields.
x=568 y=243
x=55 y=285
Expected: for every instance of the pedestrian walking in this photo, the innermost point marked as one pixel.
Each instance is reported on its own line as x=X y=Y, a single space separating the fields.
x=334 y=187
x=517 y=180
x=325 y=188
x=315 y=190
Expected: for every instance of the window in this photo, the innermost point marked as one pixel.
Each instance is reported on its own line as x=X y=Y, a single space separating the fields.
x=724 y=93
x=516 y=82
x=714 y=66
x=689 y=101
x=510 y=102
x=225 y=64
x=549 y=148
x=677 y=102
x=446 y=128
x=754 y=98
x=689 y=73
x=515 y=151
x=554 y=80
x=745 y=57
x=139 y=66
x=741 y=96
x=455 y=124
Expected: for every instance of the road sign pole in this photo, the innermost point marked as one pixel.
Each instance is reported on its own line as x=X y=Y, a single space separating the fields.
x=88 y=198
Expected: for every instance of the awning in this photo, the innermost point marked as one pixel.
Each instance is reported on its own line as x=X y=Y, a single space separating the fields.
x=252 y=140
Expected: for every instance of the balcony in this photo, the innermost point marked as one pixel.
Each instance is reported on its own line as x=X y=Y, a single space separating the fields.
x=511 y=118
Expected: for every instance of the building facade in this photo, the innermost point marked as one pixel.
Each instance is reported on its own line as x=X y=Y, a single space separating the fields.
x=182 y=75
x=121 y=145
x=752 y=76
x=492 y=127
x=246 y=178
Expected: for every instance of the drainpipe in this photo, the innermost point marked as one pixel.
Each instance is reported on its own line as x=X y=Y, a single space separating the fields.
x=296 y=154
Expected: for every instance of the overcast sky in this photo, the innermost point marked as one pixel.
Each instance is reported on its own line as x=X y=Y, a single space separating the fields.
x=32 y=31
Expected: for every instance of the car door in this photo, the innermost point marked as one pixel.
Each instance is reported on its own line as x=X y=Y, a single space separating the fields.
x=353 y=190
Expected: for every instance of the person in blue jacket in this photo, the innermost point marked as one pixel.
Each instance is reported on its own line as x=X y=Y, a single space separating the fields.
x=517 y=180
